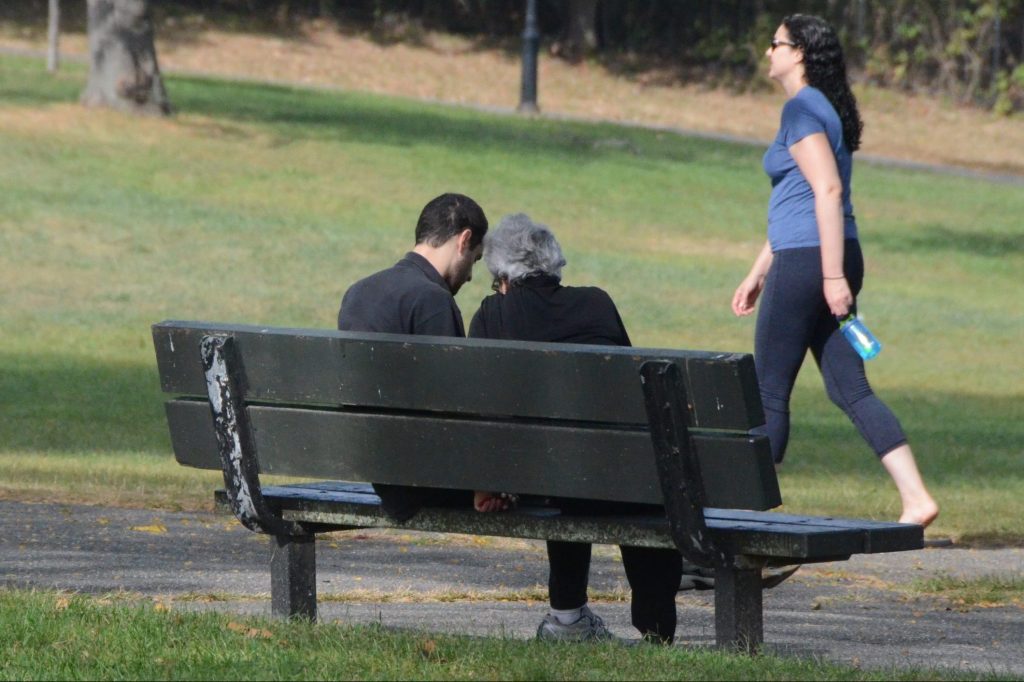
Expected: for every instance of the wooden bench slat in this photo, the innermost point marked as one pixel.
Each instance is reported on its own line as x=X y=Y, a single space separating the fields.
x=529 y=458
x=879 y=536
x=873 y=534
x=751 y=537
x=564 y=381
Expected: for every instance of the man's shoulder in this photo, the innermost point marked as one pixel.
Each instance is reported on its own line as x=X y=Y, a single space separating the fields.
x=401 y=299
x=402 y=278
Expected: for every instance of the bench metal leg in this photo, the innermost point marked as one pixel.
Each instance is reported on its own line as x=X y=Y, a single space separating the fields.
x=739 y=619
x=293 y=576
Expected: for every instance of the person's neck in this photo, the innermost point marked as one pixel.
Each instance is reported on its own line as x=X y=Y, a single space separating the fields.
x=438 y=257
x=794 y=84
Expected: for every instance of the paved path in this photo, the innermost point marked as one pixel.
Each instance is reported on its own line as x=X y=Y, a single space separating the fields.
x=854 y=612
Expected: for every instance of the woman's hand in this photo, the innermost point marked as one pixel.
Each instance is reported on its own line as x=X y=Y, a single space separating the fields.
x=745 y=298
x=838 y=296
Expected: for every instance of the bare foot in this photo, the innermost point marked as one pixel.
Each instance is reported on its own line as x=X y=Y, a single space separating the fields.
x=493 y=502
x=923 y=513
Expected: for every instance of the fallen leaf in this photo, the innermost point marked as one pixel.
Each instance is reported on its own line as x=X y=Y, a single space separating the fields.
x=61 y=604
x=428 y=649
x=155 y=528
x=252 y=633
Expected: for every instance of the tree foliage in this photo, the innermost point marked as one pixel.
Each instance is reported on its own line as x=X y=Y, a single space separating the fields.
x=970 y=50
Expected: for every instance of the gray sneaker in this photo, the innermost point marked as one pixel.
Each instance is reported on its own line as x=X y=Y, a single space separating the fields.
x=696 y=577
x=773 y=575
x=699 y=578
x=589 y=628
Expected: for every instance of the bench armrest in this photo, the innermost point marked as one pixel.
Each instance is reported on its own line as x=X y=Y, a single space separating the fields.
x=678 y=466
x=225 y=382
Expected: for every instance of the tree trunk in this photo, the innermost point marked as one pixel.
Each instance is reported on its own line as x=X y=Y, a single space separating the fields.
x=123 y=71
x=580 y=35
x=53 y=37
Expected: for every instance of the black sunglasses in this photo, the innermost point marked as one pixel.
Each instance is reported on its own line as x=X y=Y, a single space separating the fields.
x=776 y=42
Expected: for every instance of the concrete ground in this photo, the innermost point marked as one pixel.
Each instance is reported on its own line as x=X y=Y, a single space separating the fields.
x=860 y=611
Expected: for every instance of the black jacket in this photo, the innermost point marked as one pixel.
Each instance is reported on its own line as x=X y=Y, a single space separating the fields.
x=539 y=308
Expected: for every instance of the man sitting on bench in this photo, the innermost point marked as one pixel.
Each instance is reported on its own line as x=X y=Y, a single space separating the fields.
x=417 y=296
x=531 y=304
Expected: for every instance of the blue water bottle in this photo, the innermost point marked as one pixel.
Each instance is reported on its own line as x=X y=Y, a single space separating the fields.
x=862 y=340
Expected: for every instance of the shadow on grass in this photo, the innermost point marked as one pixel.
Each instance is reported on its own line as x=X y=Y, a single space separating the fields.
x=294 y=114
x=67 y=404
x=25 y=82
x=942 y=238
x=310 y=114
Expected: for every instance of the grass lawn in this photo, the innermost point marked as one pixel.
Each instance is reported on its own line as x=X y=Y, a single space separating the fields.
x=260 y=204
x=56 y=636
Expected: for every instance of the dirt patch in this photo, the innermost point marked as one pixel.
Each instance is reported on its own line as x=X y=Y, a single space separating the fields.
x=453 y=69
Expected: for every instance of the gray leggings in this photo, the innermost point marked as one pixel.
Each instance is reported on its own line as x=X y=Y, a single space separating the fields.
x=794 y=317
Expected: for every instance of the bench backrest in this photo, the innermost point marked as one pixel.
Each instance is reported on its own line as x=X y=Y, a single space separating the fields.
x=533 y=418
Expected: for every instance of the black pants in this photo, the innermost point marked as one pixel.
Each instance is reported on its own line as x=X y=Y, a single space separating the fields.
x=402 y=502
x=653 y=574
x=794 y=318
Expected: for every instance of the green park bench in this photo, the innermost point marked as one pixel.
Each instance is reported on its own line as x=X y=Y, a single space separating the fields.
x=542 y=420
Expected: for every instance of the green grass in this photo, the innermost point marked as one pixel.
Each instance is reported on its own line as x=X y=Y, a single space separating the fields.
x=261 y=204
x=55 y=636
x=982 y=591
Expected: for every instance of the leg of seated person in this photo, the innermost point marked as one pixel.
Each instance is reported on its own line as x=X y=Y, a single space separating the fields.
x=653 y=576
x=446 y=497
x=569 y=574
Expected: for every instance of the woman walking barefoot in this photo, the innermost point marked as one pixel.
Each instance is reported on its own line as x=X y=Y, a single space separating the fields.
x=811 y=266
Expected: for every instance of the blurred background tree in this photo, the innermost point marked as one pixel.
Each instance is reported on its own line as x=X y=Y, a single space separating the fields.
x=123 y=69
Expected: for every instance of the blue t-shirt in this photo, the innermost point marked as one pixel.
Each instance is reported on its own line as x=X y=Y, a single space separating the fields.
x=791 y=219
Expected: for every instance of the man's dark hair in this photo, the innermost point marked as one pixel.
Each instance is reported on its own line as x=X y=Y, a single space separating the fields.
x=448 y=215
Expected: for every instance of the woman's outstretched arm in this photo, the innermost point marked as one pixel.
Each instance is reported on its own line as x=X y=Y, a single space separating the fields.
x=745 y=298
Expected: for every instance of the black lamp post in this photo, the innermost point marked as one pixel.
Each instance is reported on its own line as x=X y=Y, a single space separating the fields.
x=531 y=45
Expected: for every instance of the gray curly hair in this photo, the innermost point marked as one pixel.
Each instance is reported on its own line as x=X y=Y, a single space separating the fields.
x=519 y=247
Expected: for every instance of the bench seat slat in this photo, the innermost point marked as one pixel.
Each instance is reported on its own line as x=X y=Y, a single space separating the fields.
x=479 y=376
x=879 y=536
x=530 y=458
x=764 y=534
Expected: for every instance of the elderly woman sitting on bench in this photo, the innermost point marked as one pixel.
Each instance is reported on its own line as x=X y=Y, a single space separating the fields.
x=531 y=304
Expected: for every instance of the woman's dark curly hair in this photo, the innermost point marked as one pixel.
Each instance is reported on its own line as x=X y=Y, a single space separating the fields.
x=825 y=69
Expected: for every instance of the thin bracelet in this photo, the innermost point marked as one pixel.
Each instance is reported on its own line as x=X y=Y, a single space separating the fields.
x=840 y=277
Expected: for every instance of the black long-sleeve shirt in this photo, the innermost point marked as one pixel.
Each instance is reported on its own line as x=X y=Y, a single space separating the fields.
x=539 y=308
x=410 y=297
